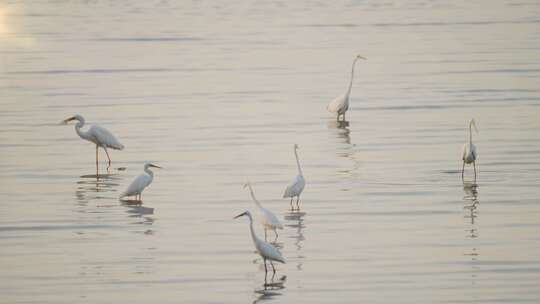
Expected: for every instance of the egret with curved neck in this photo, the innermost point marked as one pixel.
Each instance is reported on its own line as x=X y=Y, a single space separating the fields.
x=140 y=182
x=96 y=134
x=269 y=219
x=295 y=188
x=469 y=151
x=340 y=104
x=266 y=250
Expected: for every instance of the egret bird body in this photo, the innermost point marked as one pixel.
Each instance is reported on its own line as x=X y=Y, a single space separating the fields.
x=269 y=219
x=295 y=188
x=96 y=134
x=340 y=104
x=266 y=250
x=469 y=152
x=140 y=182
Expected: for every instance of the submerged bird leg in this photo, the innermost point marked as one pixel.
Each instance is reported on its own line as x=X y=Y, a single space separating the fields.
x=107 y=152
x=462 y=170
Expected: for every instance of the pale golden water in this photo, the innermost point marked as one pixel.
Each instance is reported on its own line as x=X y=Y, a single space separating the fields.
x=217 y=94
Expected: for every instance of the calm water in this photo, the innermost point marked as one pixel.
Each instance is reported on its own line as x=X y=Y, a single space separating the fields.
x=217 y=94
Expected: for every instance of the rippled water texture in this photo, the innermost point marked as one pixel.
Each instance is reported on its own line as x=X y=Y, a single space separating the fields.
x=217 y=93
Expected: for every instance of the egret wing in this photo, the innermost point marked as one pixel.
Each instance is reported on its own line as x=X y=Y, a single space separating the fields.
x=105 y=138
x=137 y=185
x=268 y=251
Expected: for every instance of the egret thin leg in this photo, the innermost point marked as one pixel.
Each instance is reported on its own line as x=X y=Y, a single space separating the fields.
x=474 y=165
x=273 y=268
x=265 y=269
x=275 y=231
x=462 y=170
x=292 y=207
x=107 y=152
x=265 y=234
x=97 y=155
x=297 y=200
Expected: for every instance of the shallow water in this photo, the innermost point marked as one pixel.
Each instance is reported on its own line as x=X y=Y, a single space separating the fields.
x=217 y=94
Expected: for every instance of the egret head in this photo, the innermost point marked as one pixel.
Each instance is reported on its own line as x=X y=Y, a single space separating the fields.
x=149 y=165
x=360 y=57
x=74 y=117
x=242 y=214
x=472 y=123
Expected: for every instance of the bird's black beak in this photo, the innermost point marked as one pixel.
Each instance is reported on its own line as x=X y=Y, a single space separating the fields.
x=154 y=166
x=239 y=215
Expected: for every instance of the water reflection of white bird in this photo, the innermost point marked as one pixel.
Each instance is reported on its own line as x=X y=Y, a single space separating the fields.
x=269 y=219
x=266 y=250
x=96 y=134
x=142 y=181
x=469 y=153
x=340 y=105
x=295 y=188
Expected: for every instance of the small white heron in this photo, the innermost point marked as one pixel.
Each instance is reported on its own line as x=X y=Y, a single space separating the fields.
x=269 y=219
x=266 y=250
x=340 y=105
x=295 y=188
x=469 y=153
x=96 y=134
x=140 y=182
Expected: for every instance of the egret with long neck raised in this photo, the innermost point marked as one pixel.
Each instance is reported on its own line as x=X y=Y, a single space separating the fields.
x=269 y=219
x=295 y=188
x=266 y=250
x=340 y=104
x=100 y=136
x=469 y=152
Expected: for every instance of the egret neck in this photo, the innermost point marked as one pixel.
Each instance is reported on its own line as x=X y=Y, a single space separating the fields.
x=297 y=162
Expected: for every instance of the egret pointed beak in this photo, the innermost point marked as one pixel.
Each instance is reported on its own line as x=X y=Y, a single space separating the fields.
x=473 y=123
x=154 y=166
x=246 y=185
x=242 y=214
x=65 y=121
x=361 y=57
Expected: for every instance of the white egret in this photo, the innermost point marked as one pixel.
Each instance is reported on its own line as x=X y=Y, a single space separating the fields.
x=295 y=188
x=96 y=134
x=266 y=250
x=340 y=105
x=469 y=152
x=269 y=219
x=140 y=182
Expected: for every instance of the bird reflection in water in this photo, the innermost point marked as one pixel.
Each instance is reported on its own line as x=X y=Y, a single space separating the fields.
x=295 y=220
x=270 y=289
x=471 y=207
x=142 y=214
x=343 y=131
x=94 y=186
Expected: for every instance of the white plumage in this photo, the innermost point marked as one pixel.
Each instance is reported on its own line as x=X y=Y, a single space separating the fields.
x=269 y=219
x=140 y=182
x=295 y=188
x=100 y=136
x=340 y=104
x=469 y=152
x=266 y=250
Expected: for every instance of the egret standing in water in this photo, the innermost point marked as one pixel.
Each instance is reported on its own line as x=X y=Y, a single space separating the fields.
x=340 y=105
x=269 y=219
x=266 y=250
x=98 y=135
x=469 y=153
x=142 y=181
x=295 y=188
